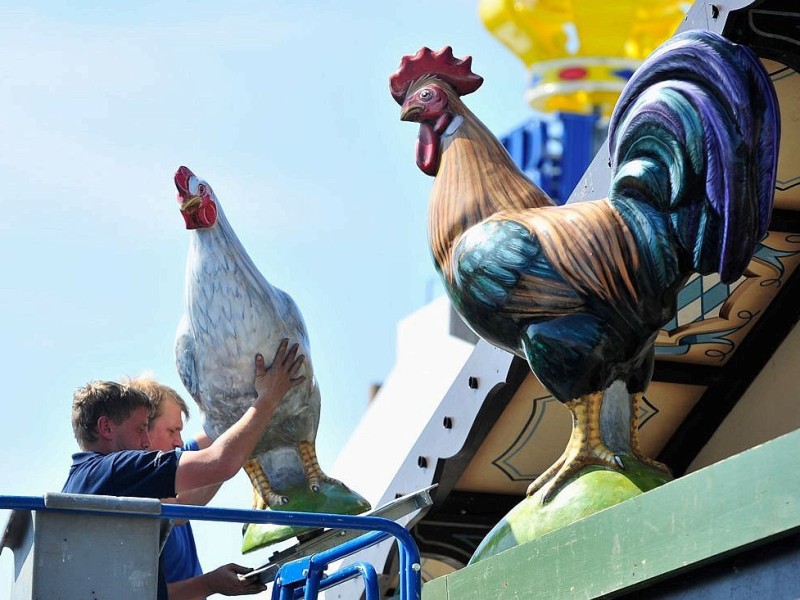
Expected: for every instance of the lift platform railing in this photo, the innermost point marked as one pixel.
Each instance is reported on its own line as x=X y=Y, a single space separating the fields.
x=305 y=577
x=311 y=568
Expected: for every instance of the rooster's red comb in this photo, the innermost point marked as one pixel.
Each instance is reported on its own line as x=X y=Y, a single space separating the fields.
x=441 y=64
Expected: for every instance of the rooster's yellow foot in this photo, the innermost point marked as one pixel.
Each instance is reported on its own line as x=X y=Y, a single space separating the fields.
x=585 y=448
x=651 y=462
x=636 y=448
x=570 y=463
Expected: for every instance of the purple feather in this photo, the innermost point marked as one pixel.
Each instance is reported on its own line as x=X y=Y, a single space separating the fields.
x=705 y=110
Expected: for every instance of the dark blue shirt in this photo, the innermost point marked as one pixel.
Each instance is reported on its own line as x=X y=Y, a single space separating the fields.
x=137 y=473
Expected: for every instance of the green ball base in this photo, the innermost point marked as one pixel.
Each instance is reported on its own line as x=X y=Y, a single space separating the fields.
x=590 y=491
x=332 y=498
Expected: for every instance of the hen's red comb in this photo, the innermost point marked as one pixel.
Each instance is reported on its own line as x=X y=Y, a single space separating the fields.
x=442 y=64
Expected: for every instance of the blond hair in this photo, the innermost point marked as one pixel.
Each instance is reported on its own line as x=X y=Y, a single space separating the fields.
x=157 y=394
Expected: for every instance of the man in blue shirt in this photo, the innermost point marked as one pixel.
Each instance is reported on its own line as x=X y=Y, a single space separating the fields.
x=182 y=571
x=110 y=422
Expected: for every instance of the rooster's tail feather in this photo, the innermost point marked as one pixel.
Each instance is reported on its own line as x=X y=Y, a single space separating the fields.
x=695 y=135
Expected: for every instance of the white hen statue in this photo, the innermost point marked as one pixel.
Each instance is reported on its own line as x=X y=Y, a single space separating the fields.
x=232 y=313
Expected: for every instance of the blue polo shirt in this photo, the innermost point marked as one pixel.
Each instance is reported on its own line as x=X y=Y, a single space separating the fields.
x=136 y=473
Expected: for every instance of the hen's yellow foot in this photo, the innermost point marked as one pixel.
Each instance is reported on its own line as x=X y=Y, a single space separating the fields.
x=263 y=495
x=314 y=474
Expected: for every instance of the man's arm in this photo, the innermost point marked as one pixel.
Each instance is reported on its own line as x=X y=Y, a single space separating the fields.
x=199 y=496
x=202 y=440
x=225 y=456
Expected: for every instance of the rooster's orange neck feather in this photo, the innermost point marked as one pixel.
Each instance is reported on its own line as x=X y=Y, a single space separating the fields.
x=476 y=179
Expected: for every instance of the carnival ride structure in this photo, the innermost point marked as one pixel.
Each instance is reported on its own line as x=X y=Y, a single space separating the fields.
x=723 y=384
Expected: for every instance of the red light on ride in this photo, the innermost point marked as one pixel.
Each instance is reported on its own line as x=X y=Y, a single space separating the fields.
x=573 y=73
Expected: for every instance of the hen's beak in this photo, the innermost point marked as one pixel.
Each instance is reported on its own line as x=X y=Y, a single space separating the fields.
x=190 y=203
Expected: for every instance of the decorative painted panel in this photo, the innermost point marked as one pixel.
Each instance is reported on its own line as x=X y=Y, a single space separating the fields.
x=528 y=436
x=787 y=86
x=714 y=318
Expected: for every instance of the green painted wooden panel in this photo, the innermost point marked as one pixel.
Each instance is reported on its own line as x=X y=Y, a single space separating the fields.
x=436 y=588
x=726 y=507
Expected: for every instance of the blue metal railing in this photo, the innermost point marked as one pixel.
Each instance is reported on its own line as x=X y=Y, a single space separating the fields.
x=305 y=577
x=311 y=569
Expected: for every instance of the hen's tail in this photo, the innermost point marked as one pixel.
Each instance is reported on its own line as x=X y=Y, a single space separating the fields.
x=695 y=136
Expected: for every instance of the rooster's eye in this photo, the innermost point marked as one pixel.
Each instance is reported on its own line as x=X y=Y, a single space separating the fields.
x=426 y=95
x=201 y=188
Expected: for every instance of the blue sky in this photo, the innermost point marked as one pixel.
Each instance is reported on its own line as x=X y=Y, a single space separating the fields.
x=284 y=108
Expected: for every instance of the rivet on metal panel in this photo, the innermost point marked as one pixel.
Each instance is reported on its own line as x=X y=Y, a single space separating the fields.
x=422 y=462
x=473 y=383
x=447 y=422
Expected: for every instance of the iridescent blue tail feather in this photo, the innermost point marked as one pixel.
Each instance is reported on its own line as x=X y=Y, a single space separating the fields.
x=695 y=136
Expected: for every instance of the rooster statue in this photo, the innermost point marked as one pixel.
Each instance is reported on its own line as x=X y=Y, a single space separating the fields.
x=581 y=290
x=232 y=313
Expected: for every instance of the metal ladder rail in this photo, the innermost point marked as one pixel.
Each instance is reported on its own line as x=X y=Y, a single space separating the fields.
x=410 y=577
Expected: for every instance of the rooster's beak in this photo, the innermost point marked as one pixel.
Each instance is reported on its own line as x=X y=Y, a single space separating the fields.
x=410 y=112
